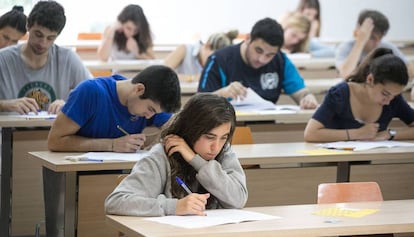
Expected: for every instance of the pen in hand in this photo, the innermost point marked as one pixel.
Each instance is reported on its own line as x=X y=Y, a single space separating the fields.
x=182 y=184
x=122 y=130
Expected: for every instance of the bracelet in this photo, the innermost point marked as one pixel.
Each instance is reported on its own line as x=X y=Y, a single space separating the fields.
x=347 y=135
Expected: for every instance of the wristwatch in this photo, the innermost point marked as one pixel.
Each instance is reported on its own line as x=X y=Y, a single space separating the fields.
x=392 y=133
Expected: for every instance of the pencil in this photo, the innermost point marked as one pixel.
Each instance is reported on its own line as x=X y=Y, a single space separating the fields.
x=122 y=130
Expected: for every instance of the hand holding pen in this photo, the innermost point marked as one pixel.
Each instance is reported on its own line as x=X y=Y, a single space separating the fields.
x=193 y=203
x=129 y=142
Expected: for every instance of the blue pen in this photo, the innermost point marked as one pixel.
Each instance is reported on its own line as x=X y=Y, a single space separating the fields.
x=182 y=184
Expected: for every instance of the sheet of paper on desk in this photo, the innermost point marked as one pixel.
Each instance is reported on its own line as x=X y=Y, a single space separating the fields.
x=109 y=156
x=214 y=217
x=364 y=145
x=253 y=101
x=39 y=115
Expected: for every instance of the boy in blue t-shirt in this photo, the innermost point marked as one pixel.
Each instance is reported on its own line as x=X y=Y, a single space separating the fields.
x=110 y=113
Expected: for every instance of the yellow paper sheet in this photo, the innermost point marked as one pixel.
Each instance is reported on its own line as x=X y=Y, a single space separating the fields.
x=324 y=152
x=345 y=212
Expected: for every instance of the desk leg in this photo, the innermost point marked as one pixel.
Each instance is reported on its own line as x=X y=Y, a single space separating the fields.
x=60 y=203
x=342 y=172
x=6 y=179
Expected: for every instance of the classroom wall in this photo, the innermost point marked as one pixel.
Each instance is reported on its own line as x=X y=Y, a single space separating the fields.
x=176 y=21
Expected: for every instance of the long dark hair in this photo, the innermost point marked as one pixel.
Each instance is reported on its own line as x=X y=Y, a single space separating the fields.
x=135 y=14
x=384 y=67
x=202 y=113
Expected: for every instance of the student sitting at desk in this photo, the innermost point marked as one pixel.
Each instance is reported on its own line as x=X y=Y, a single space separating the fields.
x=372 y=26
x=256 y=63
x=128 y=38
x=190 y=59
x=196 y=149
x=362 y=107
x=297 y=38
x=38 y=75
x=12 y=26
x=109 y=113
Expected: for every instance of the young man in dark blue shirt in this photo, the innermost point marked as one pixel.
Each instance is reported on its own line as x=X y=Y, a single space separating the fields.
x=256 y=63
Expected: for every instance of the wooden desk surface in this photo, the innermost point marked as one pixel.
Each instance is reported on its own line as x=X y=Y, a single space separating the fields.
x=297 y=220
x=15 y=121
x=137 y=65
x=250 y=154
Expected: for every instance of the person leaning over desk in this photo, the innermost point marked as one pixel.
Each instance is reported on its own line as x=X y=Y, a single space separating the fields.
x=195 y=151
x=256 y=63
x=109 y=113
x=38 y=75
x=362 y=107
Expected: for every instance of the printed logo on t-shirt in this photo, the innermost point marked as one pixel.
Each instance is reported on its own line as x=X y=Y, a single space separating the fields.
x=42 y=92
x=269 y=81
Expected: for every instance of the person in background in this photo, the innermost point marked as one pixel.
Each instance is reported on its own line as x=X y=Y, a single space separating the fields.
x=297 y=38
x=195 y=147
x=12 y=26
x=189 y=59
x=110 y=113
x=256 y=63
x=371 y=27
x=362 y=107
x=128 y=38
x=38 y=75
x=311 y=10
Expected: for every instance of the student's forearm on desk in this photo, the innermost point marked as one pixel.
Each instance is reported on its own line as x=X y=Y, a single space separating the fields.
x=78 y=143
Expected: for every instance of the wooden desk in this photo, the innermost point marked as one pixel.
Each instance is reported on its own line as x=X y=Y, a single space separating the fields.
x=21 y=211
x=136 y=65
x=278 y=169
x=297 y=220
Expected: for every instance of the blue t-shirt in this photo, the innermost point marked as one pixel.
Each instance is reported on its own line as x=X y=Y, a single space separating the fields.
x=94 y=105
x=335 y=111
x=226 y=65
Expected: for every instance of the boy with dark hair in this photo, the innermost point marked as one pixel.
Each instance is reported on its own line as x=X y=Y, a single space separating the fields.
x=110 y=113
x=256 y=63
x=38 y=75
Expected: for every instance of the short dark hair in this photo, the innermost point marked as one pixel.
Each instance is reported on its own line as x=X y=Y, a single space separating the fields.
x=161 y=86
x=14 y=18
x=49 y=14
x=269 y=30
x=384 y=66
x=381 y=24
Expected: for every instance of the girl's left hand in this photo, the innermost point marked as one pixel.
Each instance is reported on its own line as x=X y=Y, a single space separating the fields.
x=174 y=143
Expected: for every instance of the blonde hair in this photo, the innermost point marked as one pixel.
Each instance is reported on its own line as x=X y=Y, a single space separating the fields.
x=297 y=20
x=221 y=40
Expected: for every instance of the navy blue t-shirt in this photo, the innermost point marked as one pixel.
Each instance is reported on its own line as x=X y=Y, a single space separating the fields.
x=226 y=65
x=335 y=111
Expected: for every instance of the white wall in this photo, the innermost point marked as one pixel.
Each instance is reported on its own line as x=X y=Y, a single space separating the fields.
x=176 y=21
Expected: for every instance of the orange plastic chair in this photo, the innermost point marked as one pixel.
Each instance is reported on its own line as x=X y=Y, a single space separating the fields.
x=242 y=135
x=349 y=192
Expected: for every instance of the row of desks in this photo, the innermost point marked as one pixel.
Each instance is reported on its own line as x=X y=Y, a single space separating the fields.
x=137 y=65
x=296 y=220
x=62 y=179
x=22 y=177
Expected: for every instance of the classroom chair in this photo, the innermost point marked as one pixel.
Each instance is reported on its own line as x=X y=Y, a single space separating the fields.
x=242 y=135
x=91 y=52
x=350 y=192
